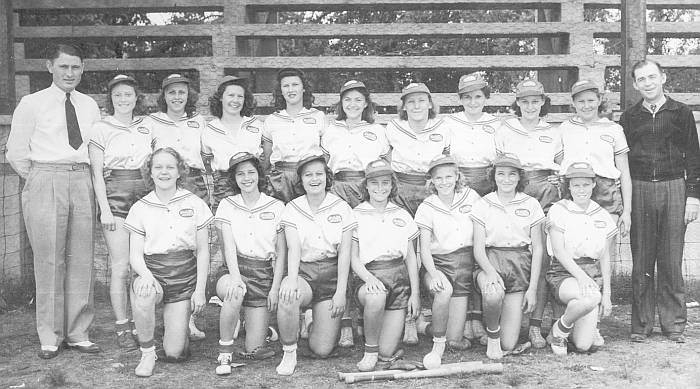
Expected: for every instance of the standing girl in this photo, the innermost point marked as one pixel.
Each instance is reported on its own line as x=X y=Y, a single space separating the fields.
x=119 y=148
x=234 y=129
x=474 y=148
x=384 y=258
x=318 y=227
x=508 y=248
x=294 y=130
x=447 y=255
x=169 y=250
x=580 y=232
x=253 y=243
x=538 y=146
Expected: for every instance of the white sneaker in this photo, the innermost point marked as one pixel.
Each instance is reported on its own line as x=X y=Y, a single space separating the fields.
x=224 y=367
x=410 y=333
x=346 y=340
x=598 y=340
x=272 y=335
x=147 y=363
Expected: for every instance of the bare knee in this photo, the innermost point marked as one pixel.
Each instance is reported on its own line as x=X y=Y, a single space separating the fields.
x=591 y=300
x=375 y=302
x=443 y=296
x=322 y=350
x=492 y=297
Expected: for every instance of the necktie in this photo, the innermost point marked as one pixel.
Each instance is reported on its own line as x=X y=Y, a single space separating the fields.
x=74 y=138
x=653 y=108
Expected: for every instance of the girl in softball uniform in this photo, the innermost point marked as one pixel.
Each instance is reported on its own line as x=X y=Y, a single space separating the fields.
x=474 y=148
x=254 y=252
x=119 y=148
x=508 y=248
x=447 y=255
x=318 y=227
x=580 y=233
x=234 y=129
x=169 y=251
x=352 y=141
x=179 y=126
x=384 y=258
x=538 y=146
x=292 y=131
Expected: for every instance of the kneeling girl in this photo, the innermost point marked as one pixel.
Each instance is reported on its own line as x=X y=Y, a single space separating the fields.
x=169 y=250
x=384 y=258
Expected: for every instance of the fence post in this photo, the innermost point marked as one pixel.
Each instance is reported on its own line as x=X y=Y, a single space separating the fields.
x=634 y=46
x=7 y=86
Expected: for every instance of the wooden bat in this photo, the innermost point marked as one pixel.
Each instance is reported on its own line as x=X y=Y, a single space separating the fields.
x=445 y=370
x=379 y=373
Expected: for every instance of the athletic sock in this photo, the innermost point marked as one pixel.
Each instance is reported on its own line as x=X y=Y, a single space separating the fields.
x=433 y=359
x=289 y=360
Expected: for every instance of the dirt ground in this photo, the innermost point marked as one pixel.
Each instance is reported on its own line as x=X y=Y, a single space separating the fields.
x=619 y=364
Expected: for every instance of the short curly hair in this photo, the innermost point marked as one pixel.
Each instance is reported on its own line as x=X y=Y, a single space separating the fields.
x=190 y=104
x=367 y=113
x=329 y=175
x=181 y=167
x=262 y=182
x=139 y=109
x=215 y=105
x=522 y=180
x=458 y=184
x=278 y=98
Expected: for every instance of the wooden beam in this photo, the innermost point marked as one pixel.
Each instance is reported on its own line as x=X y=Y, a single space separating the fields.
x=7 y=77
x=634 y=46
x=155 y=5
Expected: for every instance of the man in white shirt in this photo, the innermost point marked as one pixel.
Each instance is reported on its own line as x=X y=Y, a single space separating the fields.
x=47 y=147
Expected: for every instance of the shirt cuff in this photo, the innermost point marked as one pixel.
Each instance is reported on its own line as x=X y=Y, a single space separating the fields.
x=692 y=201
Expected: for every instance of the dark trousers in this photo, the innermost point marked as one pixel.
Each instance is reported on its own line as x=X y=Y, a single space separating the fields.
x=657 y=238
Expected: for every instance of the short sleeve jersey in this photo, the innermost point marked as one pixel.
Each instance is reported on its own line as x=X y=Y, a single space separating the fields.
x=320 y=233
x=473 y=144
x=450 y=226
x=383 y=235
x=124 y=147
x=220 y=143
x=411 y=152
x=183 y=135
x=536 y=149
x=585 y=230
x=354 y=148
x=293 y=137
x=508 y=225
x=254 y=229
x=597 y=143
x=168 y=227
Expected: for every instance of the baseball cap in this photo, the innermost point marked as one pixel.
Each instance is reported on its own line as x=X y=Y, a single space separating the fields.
x=229 y=79
x=440 y=160
x=529 y=88
x=240 y=157
x=308 y=159
x=580 y=170
x=507 y=160
x=471 y=82
x=174 y=79
x=414 y=87
x=120 y=78
x=378 y=168
x=583 y=85
x=352 y=84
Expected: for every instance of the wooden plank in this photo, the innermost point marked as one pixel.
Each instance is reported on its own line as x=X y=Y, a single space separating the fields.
x=634 y=46
x=194 y=30
x=689 y=4
x=115 y=4
x=402 y=4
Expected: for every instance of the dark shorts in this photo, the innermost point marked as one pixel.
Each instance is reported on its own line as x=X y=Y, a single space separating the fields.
x=394 y=275
x=346 y=185
x=557 y=273
x=283 y=182
x=512 y=264
x=176 y=272
x=541 y=189
x=222 y=188
x=322 y=277
x=412 y=189
x=477 y=178
x=194 y=182
x=458 y=267
x=124 y=188
x=257 y=275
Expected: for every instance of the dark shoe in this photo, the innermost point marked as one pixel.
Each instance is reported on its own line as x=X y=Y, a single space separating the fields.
x=258 y=354
x=48 y=354
x=90 y=349
x=677 y=338
x=638 y=338
x=125 y=340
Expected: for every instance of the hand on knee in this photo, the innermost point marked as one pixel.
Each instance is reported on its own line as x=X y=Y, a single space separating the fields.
x=492 y=296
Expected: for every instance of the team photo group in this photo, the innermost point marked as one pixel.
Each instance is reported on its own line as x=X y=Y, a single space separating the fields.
x=457 y=227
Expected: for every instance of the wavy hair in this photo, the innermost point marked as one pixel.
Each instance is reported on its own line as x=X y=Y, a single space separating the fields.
x=278 y=98
x=458 y=184
x=181 y=167
x=190 y=105
x=522 y=181
x=249 y=104
x=262 y=182
x=392 y=194
x=544 y=110
x=367 y=113
x=139 y=108
x=300 y=171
